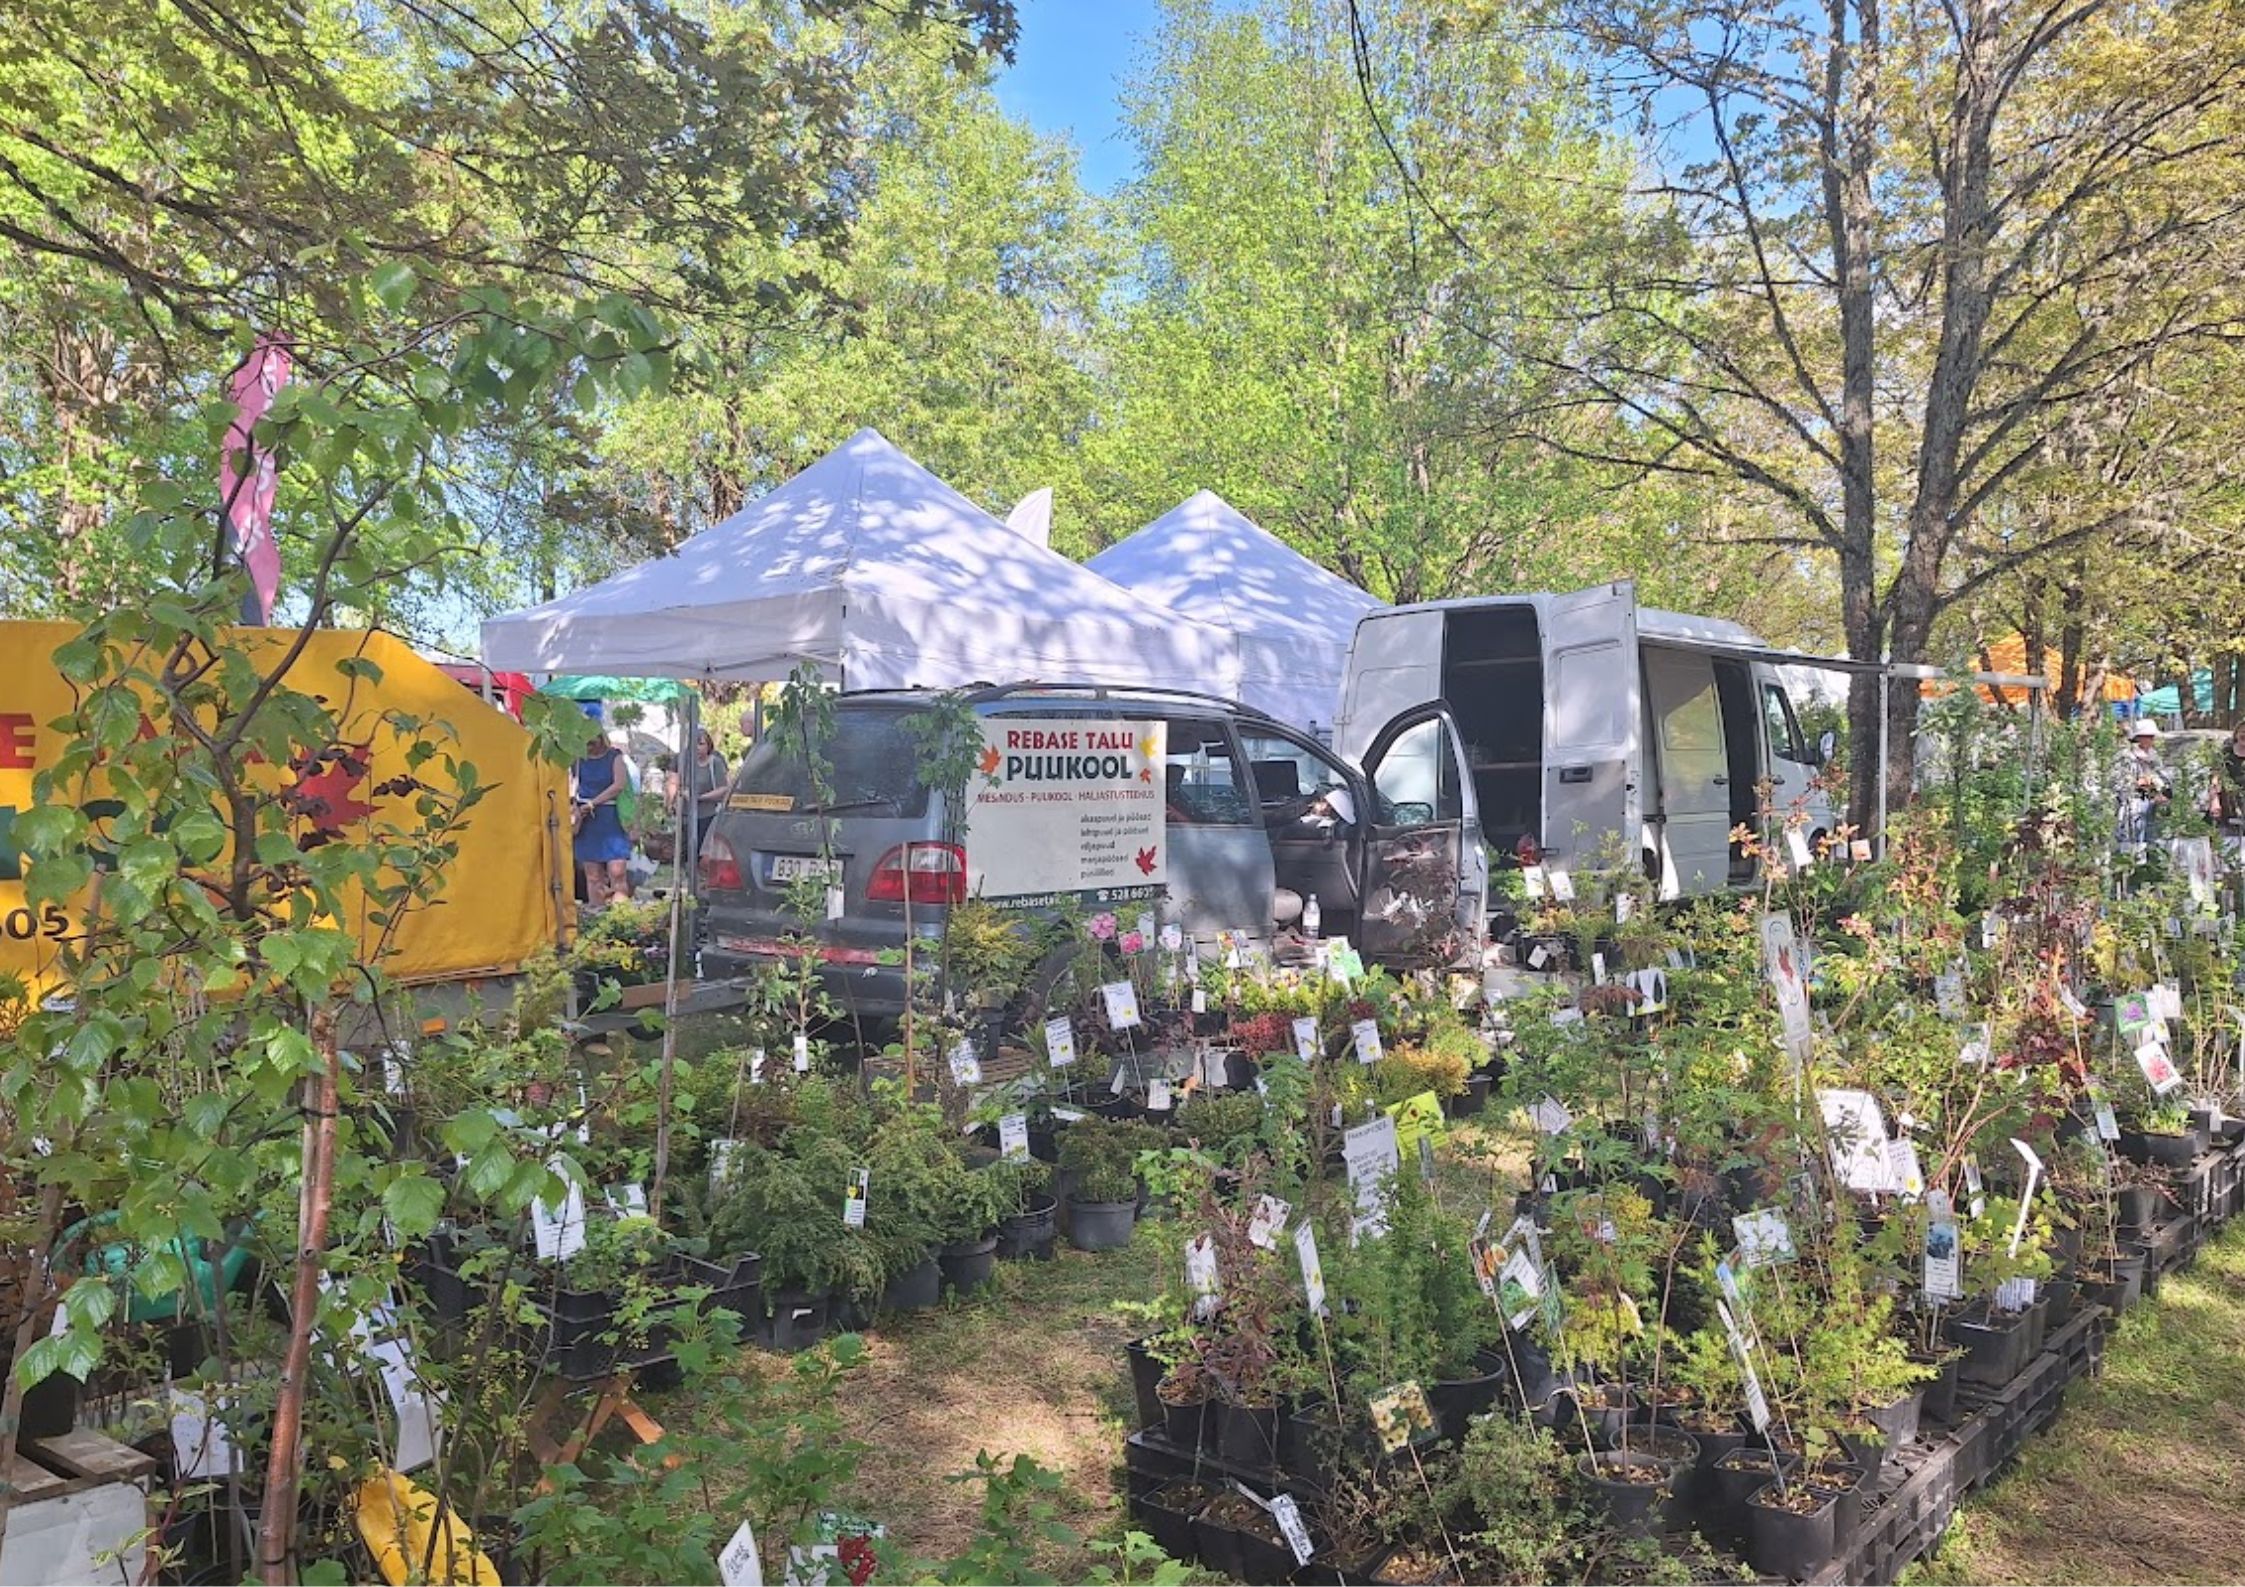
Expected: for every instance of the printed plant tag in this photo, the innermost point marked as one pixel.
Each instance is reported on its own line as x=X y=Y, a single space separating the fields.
x=1487 y=1258
x=1173 y=938
x=724 y=1154
x=1948 y=993
x=1763 y=1238
x=1519 y=1288
x=1346 y=964
x=1855 y=1135
x=2132 y=1012
x=1159 y=1097
x=1373 y=1157
x=1973 y=1187
x=1597 y=969
x=756 y=1066
x=1313 y=1275
x=1652 y=990
x=802 y=1052
x=1400 y=1417
x=1538 y=957
x=1013 y=1137
x=738 y=1564
x=2015 y=1294
x=1562 y=885
x=1532 y=878
x=966 y=1068
x=1119 y=1079
x=1974 y=1054
x=1060 y=1042
x=1944 y=1267
x=1551 y=1116
x=1148 y=931
x=1903 y=1170
x=2166 y=1001
x=1367 y=1036
x=1200 y=999
x=1525 y=1236
x=2072 y=1004
x=1624 y=904
x=201 y=1445
x=1796 y=845
x=853 y=1200
x=559 y=1231
x=1200 y=1275
x=1306 y=1039
x=1269 y=1217
x=834 y=905
x=1122 y=1005
x=2108 y=1126
x=2159 y=1069
x=1288 y=1515
x=1859 y=850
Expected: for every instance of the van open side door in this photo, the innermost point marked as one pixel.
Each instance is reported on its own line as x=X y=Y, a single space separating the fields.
x=1593 y=689
x=1425 y=890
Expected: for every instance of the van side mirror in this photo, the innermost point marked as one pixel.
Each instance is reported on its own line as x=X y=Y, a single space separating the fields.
x=1827 y=745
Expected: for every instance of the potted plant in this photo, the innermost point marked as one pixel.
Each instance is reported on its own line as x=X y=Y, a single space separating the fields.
x=1100 y=1159
x=1029 y=1227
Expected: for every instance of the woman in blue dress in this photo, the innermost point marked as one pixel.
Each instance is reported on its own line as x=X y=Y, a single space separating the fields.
x=603 y=847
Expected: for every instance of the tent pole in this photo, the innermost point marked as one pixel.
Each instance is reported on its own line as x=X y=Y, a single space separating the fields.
x=1883 y=685
x=684 y=837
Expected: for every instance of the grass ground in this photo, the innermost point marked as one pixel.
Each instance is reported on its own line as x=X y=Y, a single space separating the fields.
x=2137 y=1481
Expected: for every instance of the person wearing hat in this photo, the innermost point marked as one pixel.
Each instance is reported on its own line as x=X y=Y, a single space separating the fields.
x=2146 y=786
x=603 y=847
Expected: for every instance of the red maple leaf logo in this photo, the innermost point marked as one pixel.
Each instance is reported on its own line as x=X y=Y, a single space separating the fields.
x=1146 y=774
x=1145 y=859
x=989 y=763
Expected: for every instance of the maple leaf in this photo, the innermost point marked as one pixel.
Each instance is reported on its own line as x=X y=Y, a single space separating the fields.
x=1146 y=775
x=324 y=798
x=1145 y=859
x=989 y=763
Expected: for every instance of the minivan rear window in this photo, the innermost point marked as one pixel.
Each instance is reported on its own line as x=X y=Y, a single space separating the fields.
x=874 y=761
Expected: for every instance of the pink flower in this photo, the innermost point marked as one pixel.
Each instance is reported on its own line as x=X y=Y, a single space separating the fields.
x=1102 y=928
x=1132 y=942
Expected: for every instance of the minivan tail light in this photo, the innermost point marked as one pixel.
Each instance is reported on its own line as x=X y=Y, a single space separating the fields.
x=720 y=871
x=937 y=875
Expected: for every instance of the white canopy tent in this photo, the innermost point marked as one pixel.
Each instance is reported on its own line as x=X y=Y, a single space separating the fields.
x=879 y=574
x=1292 y=619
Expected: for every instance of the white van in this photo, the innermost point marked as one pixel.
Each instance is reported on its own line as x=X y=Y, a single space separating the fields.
x=1586 y=715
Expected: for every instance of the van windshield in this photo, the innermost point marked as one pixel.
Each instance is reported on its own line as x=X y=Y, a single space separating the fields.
x=874 y=768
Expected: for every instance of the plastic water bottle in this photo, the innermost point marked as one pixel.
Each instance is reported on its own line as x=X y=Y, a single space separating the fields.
x=1311 y=919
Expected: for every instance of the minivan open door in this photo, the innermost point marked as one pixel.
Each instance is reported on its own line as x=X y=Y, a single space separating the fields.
x=1592 y=694
x=1426 y=880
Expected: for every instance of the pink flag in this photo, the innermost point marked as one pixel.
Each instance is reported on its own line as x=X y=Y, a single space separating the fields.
x=245 y=477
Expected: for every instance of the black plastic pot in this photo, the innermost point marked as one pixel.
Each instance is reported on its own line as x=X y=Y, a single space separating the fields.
x=1899 y=1420
x=1631 y=1504
x=1540 y=1385
x=1714 y=1440
x=1606 y=1419
x=1940 y=1402
x=1472 y=1100
x=1101 y=1225
x=799 y=1319
x=1996 y=1347
x=1247 y=1435
x=1847 y=1484
x=50 y=1406
x=1309 y=1441
x=1738 y=1476
x=1030 y=1236
x=1239 y=1554
x=1145 y=1378
x=1168 y=1514
x=1784 y=1544
x=916 y=1288
x=2116 y=1285
x=2153 y=1147
x=575 y=1322
x=1679 y=1452
x=1866 y=1448
x=1190 y=1426
x=968 y=1264
x=2142 y=1206
x=1456 y=1401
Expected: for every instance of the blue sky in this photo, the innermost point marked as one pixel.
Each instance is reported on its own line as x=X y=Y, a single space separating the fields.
x=1068 y=70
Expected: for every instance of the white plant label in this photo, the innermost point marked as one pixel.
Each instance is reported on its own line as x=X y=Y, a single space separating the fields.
x=1624 y=905
x=2159 y=1069
x=756 y=1066
x=738 y=1564
x=627 y=1200
x=1948 y=993
x=1788 y=977
x=834 y=904
x=1305 y=1039
x=1859 y=850
x=1159 y=1097
x=1366 y=1033
x=1974 y=1054
x=1597 y=969
x=724 y=1155
x=1173 y=938
x=1538 y=957
x=1200 y=1275
x=1270 y=1217
x=1652 y=990
x=1288 y=1515
x=1855 y=1135
x=201 y=1446
x=802 y=1052
x=1313 y=1275
x=1974 y=1188
x=1944 y=1264
x=2015 y=1294
x=1551 y=1116
x=1562 y=885
x=1757 y=1403
x=1013 y=1137
x=853 y=1199
x=2108 y=1126
x=966 y=1068
x=1532 y=878
x=1060 y=1042
x=1903 y=1169
x=1796 y=845
x=1988 y=930
x=2026 y=1196
x=2073 y=1005
x=1374 y=1157
x=1200 y=999
x=1763 y=1238
x=559 y=1231
x=1121 y=999
x=2167 y=1001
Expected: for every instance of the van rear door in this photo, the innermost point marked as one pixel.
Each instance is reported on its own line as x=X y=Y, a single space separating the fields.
x=1592 y=693
x=1424 y=897
x=1394 y=663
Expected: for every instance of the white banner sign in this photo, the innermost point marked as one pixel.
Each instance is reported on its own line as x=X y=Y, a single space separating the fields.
x=1070 y=807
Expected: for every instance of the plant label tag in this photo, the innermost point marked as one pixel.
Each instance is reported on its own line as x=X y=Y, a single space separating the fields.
x=201 y=1445
x=2071 y=1003
x=1944 y=1263
x=1948 y=993
x=2167 y=1001
x=756 y=1066
x=1373 y=1156
x=1624 y=904
x=2033 y=1161
x=628 y=1201
x=725 y=1154
x=1060 y=1042
x=1400 y=1416
x=1859 y=850
x=1525 y=1236
x=1974 y=1188
x=1726 y=1275
x=1346 y=963
x=966 y=1068
x=1119 y=1079
x=1597 y=969
x=1173 y=938
x=802 y=1052
x=1200 y=1275
x=2133 y=1012
x=1904 y=1172
x=1551 y=1116
x=1013 y=1137
x=1988 y=929
x=1855 y=1136
x=1159 y=1097
x=1974 y=1053
x=834 y=903
x=2159 y=1069
x=1200 y=999
x=1366 y=1033
x=1566 y=1016
x=1519 y=1288
x=1288 y=1515
x=1652 y=990
x=1233 y=958
x=1796 y=845
x=1562 y=885
x=2175 y=927
x=1305 y=1039
x=1487 y=1258
x=737 y=1563
x=559 y=1231
x=1149 y=931
x=2108 y=1125
x=1532 y=878
x=2015 y=1294
x=1763 y=1238
x=1313 y=1275
x=1538 y=957
x=1121 y=999
x=1269 y=1217
x=853 y=1199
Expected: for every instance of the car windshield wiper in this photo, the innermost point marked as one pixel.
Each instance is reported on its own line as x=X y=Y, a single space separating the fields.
x=840 y=805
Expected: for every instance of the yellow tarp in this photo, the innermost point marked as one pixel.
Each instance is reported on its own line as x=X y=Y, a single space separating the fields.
x=2009 y=655
x=508 y=891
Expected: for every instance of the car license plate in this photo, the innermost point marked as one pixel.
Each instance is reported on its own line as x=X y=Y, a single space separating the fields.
x=800 y=867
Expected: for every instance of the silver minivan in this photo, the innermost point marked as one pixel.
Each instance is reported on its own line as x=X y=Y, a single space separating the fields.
x=1589 y=719
x=1259 y=817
